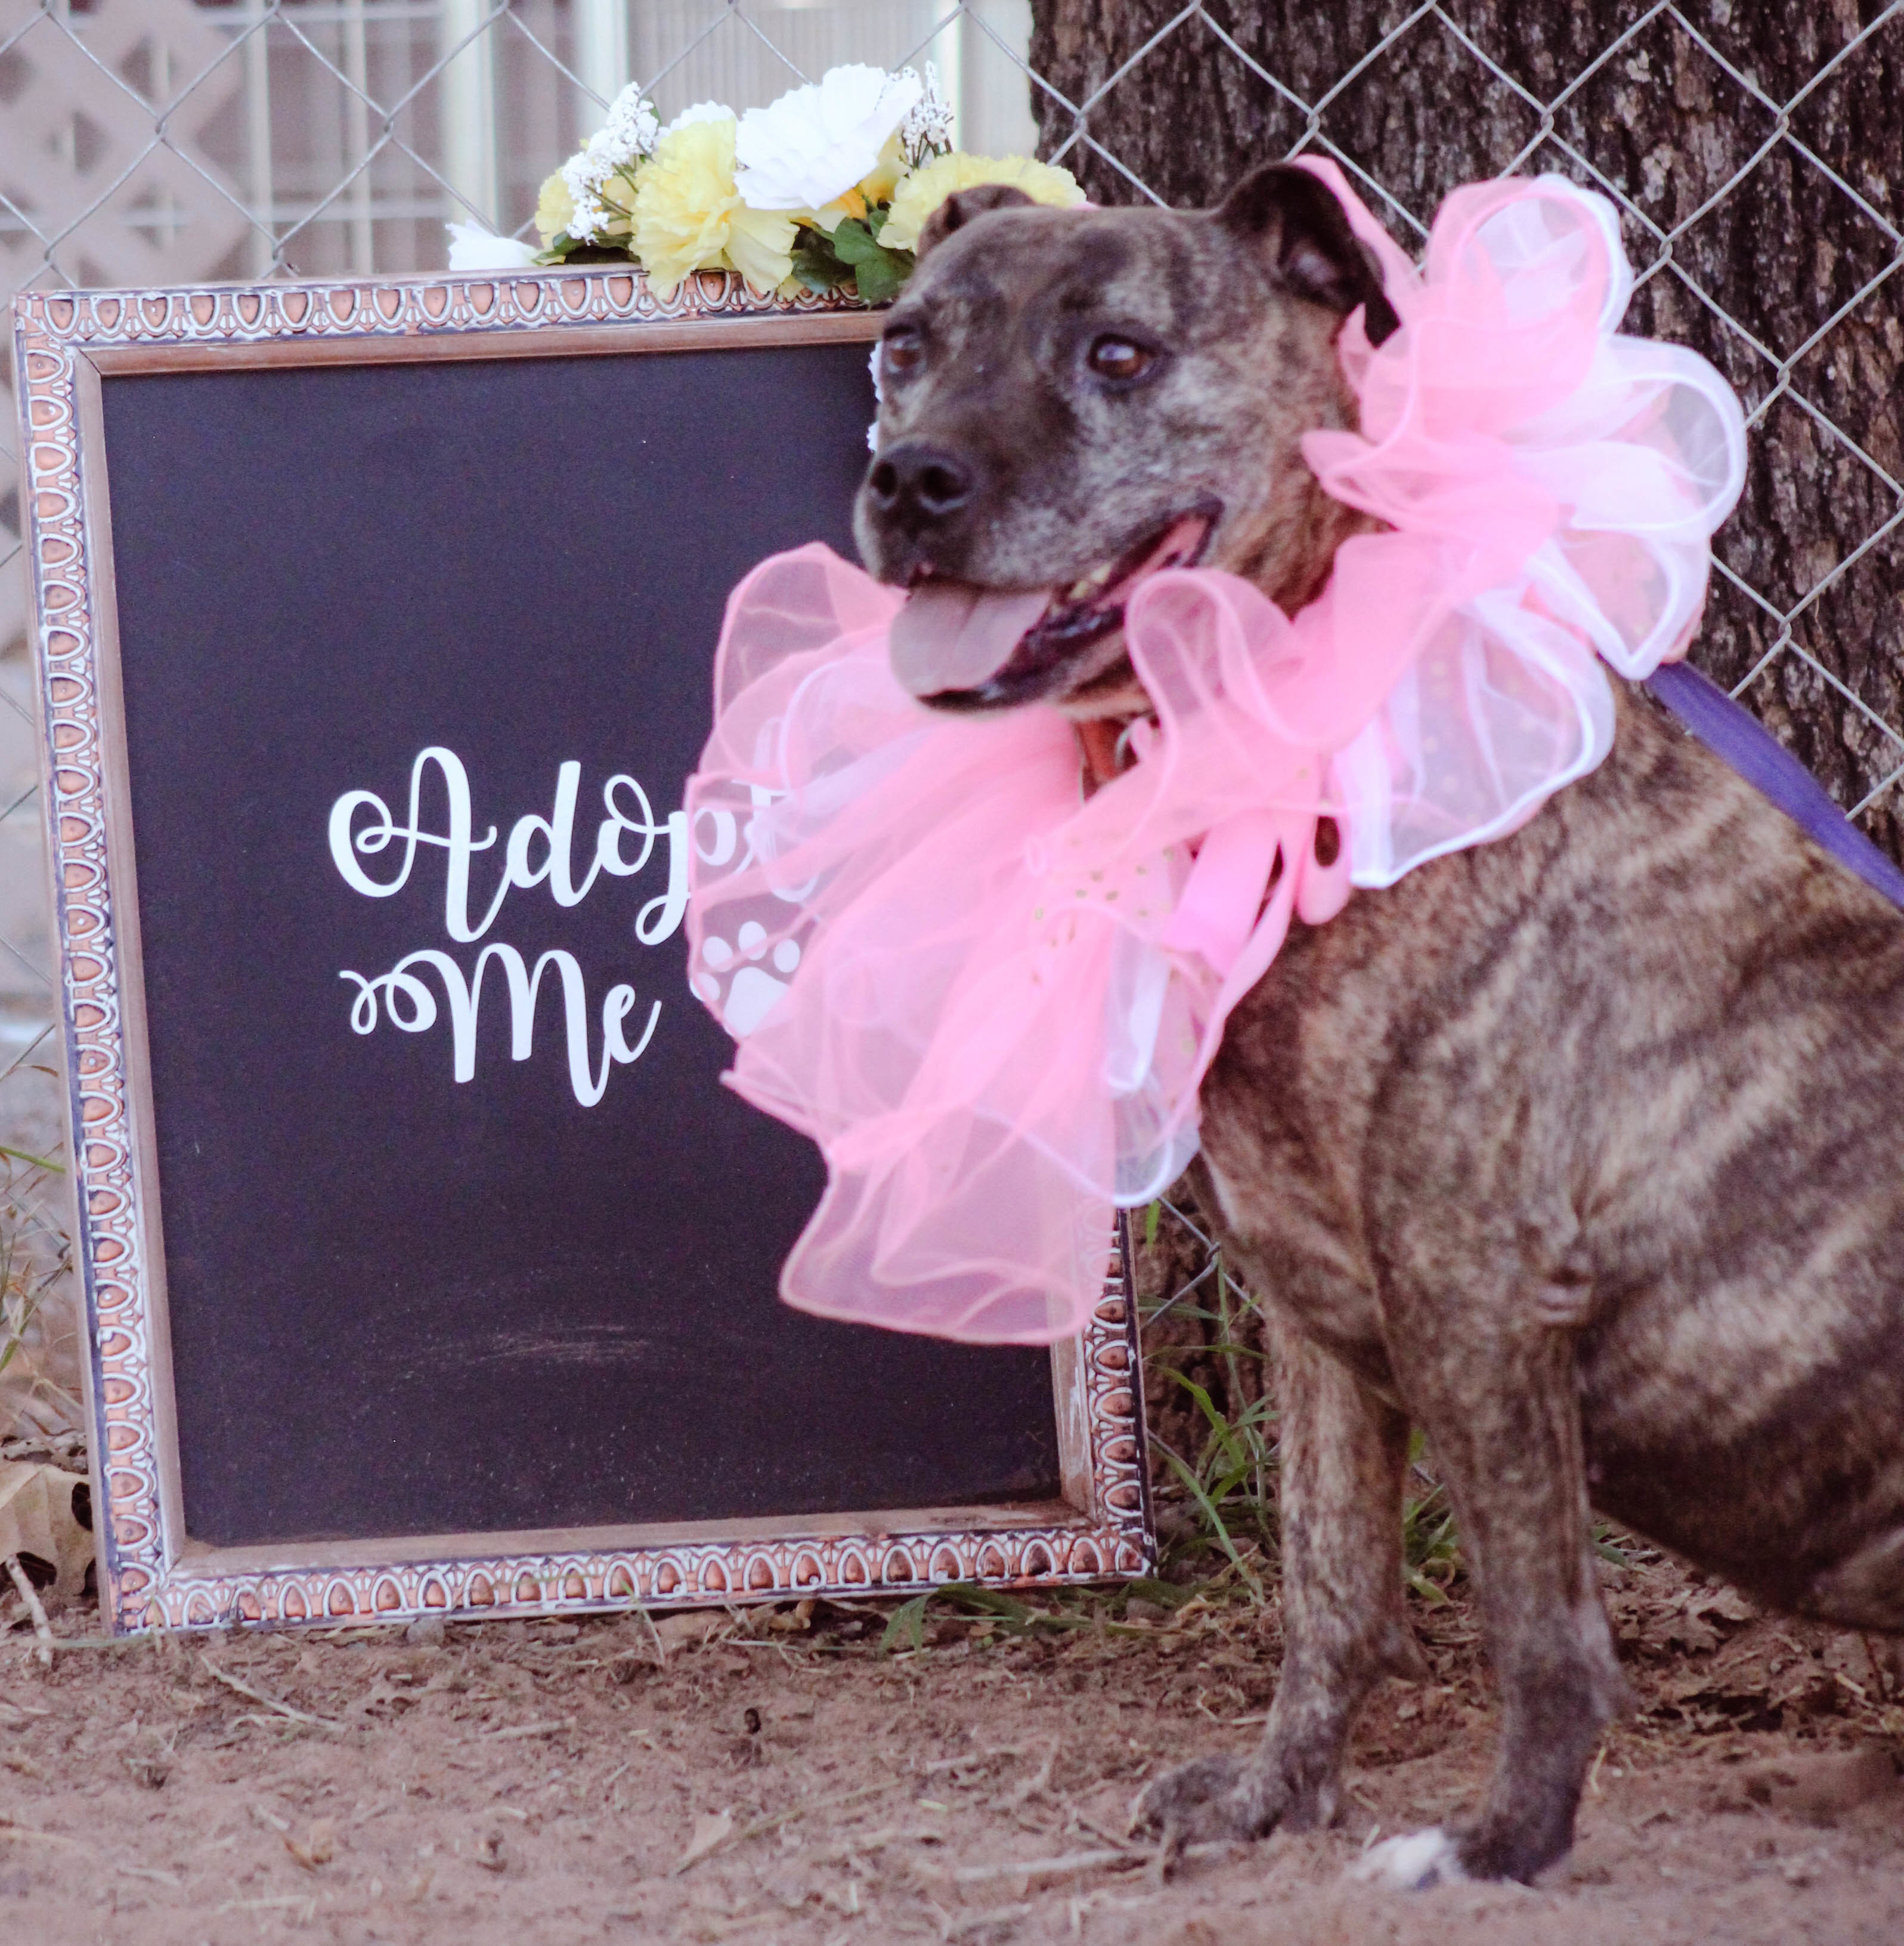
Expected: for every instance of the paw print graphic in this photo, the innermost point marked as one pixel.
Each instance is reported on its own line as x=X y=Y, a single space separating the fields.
x=752 y=990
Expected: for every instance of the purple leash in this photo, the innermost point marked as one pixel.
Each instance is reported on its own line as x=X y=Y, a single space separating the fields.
x=1734 y=734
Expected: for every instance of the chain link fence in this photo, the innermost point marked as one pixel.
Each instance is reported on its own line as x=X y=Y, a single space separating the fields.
x=153 y=142
x=1756 y=159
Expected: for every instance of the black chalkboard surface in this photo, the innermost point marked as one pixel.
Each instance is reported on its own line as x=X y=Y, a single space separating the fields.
x=402 y=1303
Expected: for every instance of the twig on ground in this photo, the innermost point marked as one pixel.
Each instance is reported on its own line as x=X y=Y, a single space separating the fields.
x=251 y=1719
x=1034 y=1786
x=1092 y=1829
x=877 y=1841
x=30 y=1595
x=1066 y=1866
x=8 y=1829
x=786 y=1817
x=244 y=1688
x=62 y=1643
x=648 y=1622
x=979 y=1921
x=970 y=1757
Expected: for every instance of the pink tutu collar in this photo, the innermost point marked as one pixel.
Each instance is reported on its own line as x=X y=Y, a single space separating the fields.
x=989 y=999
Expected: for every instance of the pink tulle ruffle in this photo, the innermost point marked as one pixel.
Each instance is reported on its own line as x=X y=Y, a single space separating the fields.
x=989 y=1000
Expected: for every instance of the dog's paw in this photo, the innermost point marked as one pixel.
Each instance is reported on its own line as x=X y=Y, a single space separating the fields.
x=1411 y=1862
x=1168 y=1803
x=1212 y=1800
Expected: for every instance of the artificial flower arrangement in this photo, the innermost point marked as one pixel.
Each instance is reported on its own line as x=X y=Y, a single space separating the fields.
x=828 y=187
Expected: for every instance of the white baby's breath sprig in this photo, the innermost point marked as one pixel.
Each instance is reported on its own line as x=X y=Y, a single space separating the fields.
x=625 y=138
x=584 y=181
x=926 y=130
x=632 y=125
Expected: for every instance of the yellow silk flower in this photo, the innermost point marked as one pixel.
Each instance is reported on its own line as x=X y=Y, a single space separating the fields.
x=879 y=184
x=926 y=188
x=688 y=217
x=554 y=206
x=869 y=193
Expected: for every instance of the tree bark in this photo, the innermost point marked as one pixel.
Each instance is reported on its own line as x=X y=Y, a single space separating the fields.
x=1772 y=249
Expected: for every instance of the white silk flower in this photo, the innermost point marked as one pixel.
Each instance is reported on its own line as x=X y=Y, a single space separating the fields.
x=810 y=147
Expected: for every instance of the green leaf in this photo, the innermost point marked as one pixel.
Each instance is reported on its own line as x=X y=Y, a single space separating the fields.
x=815 y=274
x=907 y=1624
x=1151 y=1216
x=1430 y=1592
x=1605 y=1550
x=1165 y=1594
x=1223 y=1433
x=881 y=279
x=878 y=272
x=989 y=1602
x=853 y=242
x=564 y=249
x=816 y=263
x=1195 y=1487
x=38 y=1162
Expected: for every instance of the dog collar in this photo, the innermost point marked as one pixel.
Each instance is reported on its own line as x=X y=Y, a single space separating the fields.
x=991 y=1004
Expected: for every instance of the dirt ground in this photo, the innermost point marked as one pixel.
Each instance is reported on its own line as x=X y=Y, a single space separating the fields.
x=772 y=1776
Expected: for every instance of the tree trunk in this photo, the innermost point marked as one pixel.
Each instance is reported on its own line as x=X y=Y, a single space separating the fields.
x=1773 y=250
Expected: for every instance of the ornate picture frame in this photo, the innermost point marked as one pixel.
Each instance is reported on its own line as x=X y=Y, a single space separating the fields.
x=151 y=1574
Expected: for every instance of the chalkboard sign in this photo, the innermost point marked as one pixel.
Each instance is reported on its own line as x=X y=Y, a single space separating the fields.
x=428 y=1265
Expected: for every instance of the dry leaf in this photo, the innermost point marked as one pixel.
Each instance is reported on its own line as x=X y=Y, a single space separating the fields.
x=1727 y=1603
x=1820 y=1786
x=688 y=1625
x=36 y=1518
x=319 y=1848
x=1693 y=1636
x=711 y=1829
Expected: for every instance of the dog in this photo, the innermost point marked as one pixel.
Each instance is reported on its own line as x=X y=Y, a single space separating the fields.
x=1577 y=1150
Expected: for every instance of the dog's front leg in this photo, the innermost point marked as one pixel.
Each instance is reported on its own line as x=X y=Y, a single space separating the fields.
x=1343 y=1452
x=1494 y=1387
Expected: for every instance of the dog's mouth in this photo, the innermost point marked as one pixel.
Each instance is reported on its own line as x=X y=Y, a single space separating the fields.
x=961 y=647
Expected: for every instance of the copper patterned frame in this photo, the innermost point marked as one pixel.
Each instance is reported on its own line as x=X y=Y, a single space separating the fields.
x=150 y=1573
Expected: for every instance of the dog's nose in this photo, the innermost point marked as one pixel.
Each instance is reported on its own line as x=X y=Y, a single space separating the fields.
x=918 y=485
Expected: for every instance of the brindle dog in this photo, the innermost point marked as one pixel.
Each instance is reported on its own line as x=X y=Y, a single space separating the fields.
x=1578 y=1149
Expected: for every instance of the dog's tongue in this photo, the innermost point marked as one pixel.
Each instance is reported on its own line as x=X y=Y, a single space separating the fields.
x=952 y=636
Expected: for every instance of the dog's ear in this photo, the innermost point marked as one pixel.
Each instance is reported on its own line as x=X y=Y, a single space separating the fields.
x=1289 y=215
x=958 y=209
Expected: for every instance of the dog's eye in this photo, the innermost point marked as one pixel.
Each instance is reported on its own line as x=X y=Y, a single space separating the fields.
x=1113 y=357
x=901 y=350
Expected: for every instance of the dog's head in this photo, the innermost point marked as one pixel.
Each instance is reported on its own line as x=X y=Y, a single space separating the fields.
x=1074 y=398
